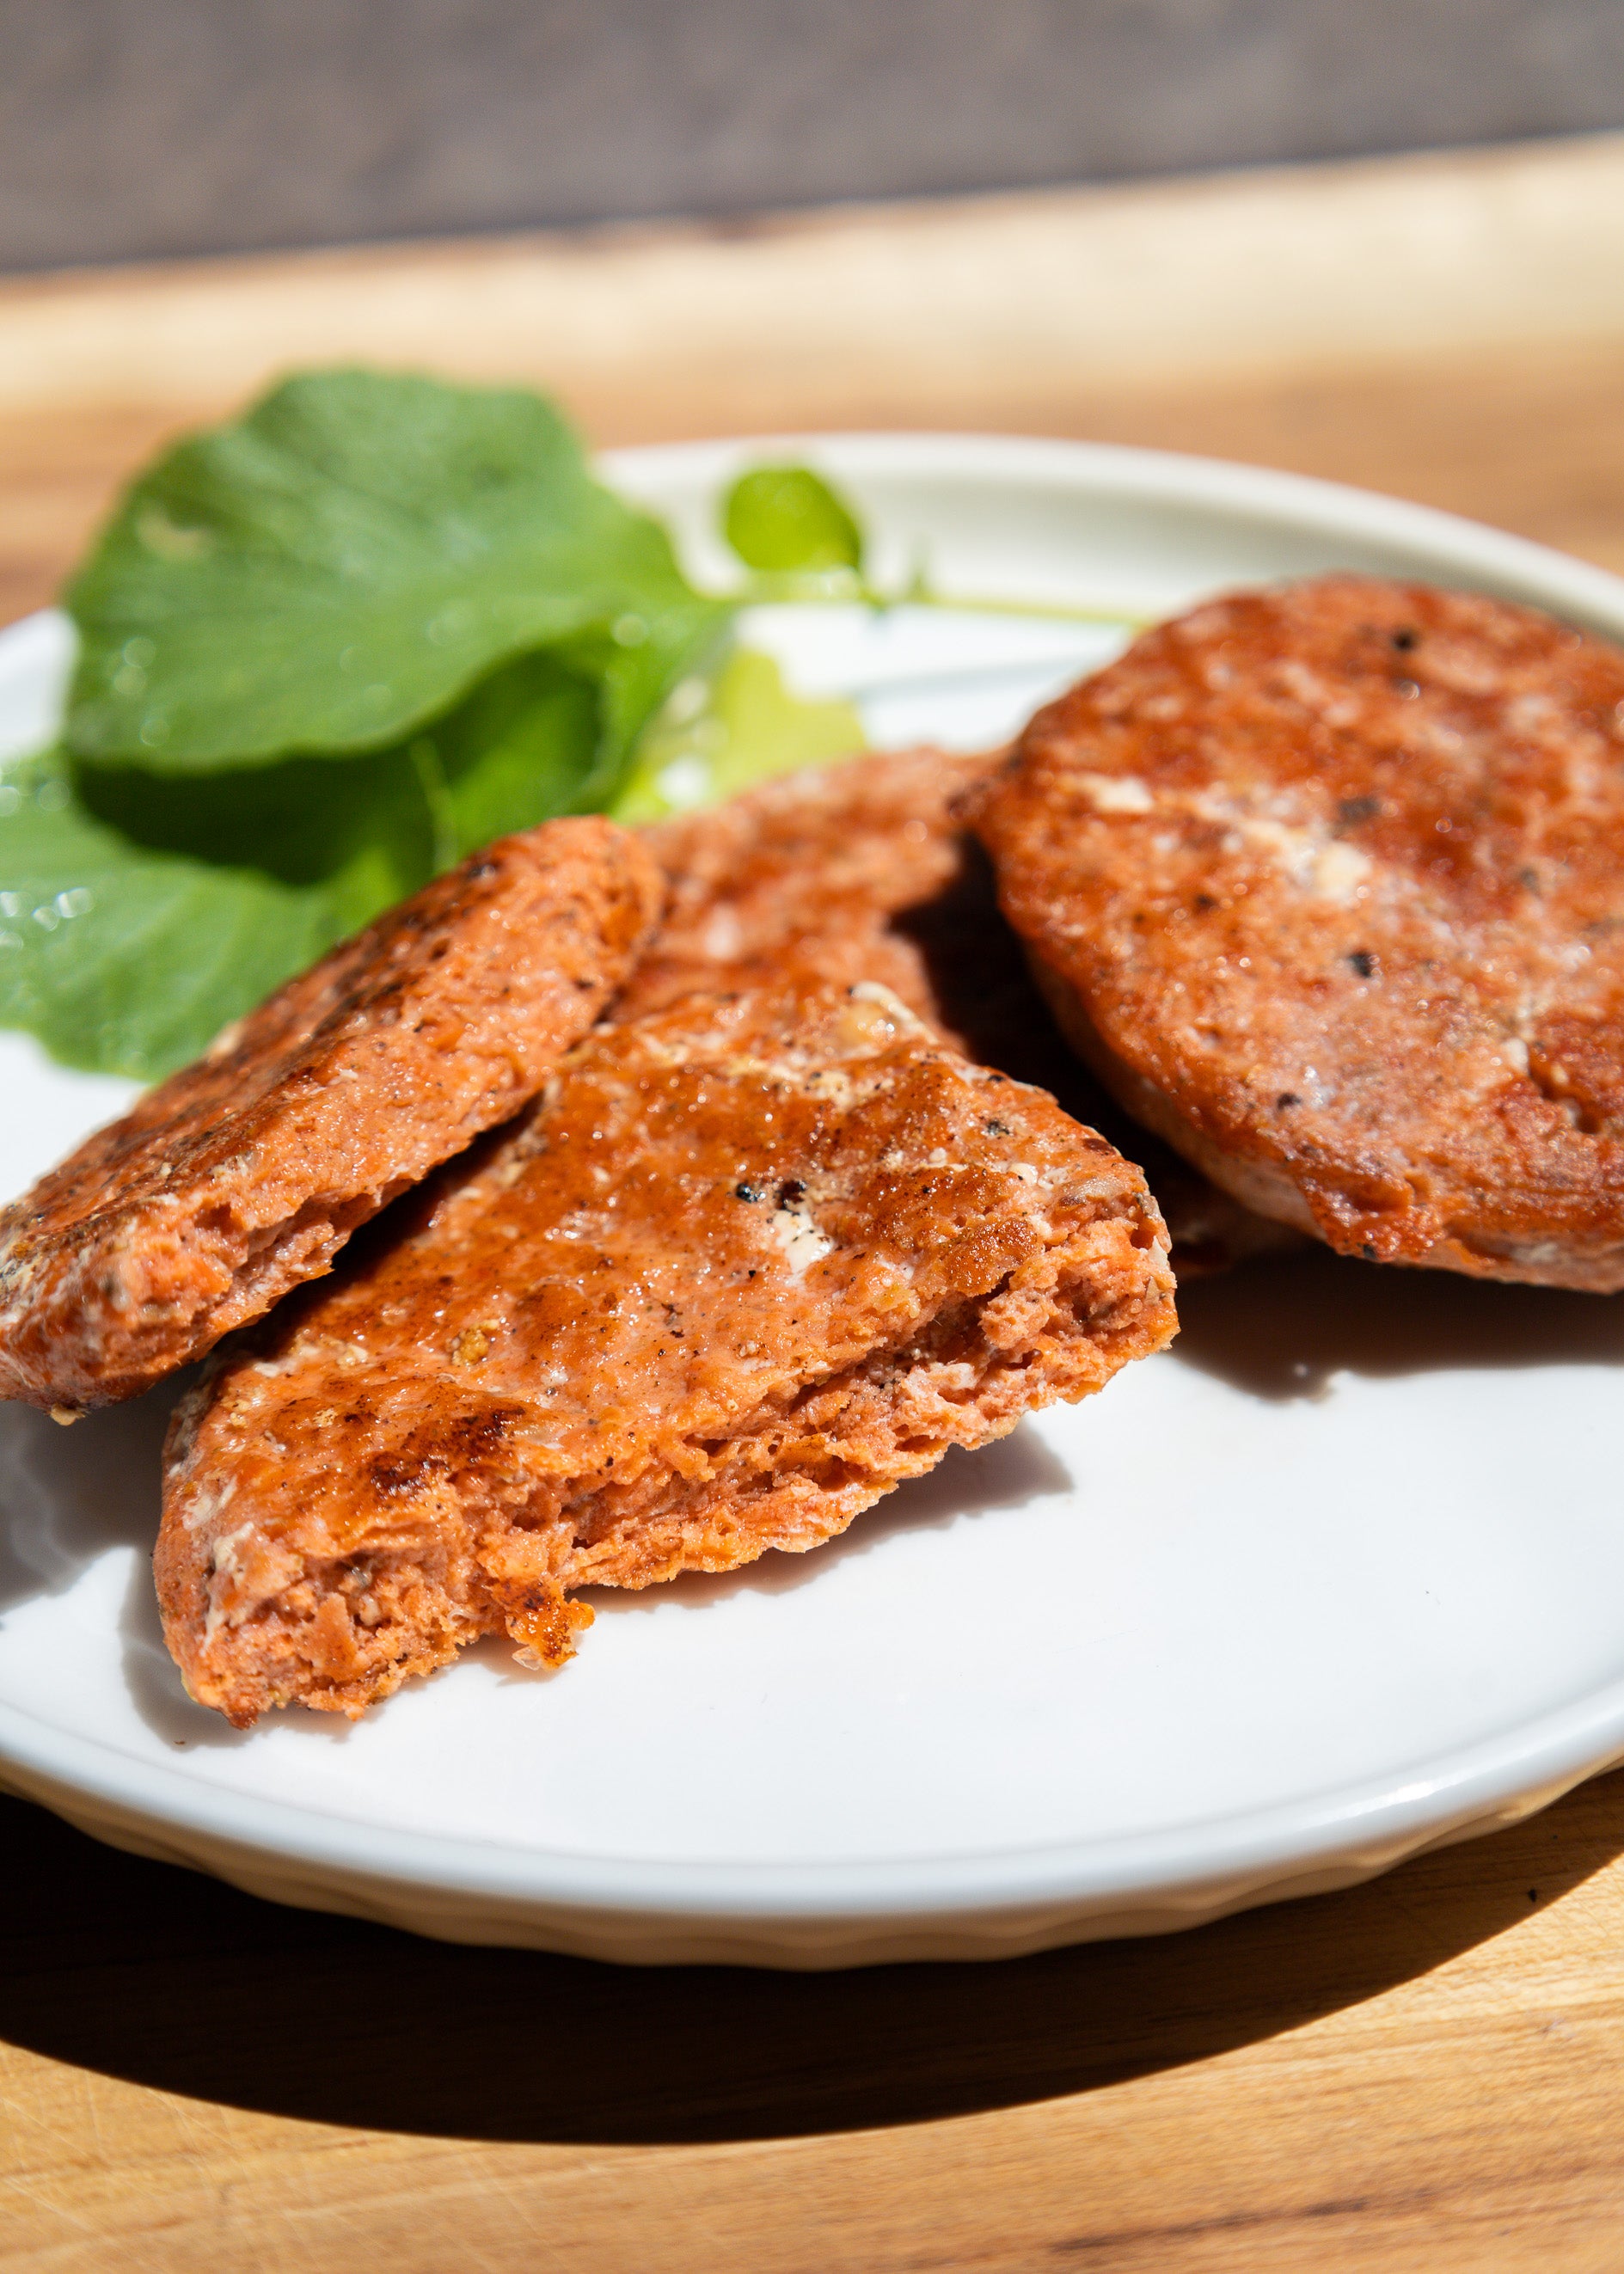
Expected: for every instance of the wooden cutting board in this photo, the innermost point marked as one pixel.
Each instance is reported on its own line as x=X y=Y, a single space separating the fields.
x=1425 y=2073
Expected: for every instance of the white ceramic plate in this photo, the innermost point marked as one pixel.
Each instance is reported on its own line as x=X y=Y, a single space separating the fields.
x=1340 y=1577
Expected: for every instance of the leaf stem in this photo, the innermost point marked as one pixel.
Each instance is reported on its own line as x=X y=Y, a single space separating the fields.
x=982 y=603
x=425 y=764
x=843 y=590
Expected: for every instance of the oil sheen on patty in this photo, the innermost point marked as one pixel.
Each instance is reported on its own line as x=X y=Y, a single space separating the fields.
x=749 y=1261
x=868 y=870
x=244 y=1174
x=1327 y=883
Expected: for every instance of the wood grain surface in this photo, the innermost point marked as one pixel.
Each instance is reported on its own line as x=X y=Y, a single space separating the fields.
x=1425 y=2073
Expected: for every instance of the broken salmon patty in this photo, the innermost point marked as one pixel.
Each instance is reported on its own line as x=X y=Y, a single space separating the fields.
x=1327 y=883
x=868 y=871
x=245 y=1173
x=746 y=1264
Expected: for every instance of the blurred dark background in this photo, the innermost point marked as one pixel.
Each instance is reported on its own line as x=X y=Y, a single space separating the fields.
x=140 y=127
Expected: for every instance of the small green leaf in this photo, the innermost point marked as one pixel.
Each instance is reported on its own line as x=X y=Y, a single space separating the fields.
x=714 y=741
x=786 y=521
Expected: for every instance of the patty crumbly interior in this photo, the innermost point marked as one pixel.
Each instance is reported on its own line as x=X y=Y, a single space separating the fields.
x=748 y=1262
x=1328 y=884
x=245 y=1173
x=869 y=870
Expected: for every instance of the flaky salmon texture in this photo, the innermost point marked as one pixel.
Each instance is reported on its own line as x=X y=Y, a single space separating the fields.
x=749 y=1261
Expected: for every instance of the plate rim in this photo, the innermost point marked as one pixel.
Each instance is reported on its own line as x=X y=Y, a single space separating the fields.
x=1383 y=1818
x=1577 y=588
x=855 y=1910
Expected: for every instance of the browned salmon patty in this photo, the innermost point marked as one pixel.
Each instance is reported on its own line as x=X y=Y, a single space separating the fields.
x=245 y=1173
x=1329 y=883
x=746 y=1263
x=867 y=872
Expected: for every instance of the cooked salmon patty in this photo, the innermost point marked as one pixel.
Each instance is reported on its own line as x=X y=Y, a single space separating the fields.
x=868 y=872
x=1327 y=883
x=244 y=1174
x=746 y=1263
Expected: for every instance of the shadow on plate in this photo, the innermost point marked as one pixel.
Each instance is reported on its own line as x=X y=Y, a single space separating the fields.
x=1017 y=1469
x=146 y=1972
x=67 y=1497
x=1282 y=1329
x=149 y=1973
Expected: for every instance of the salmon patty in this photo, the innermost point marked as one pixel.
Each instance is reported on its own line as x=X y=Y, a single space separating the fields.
x=867 y=872
x=746 y=1263
x=244 y=1174
x=1327 y=883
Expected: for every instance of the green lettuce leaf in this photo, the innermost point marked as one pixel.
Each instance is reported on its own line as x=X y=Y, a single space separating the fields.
x=141 y=914
x=328 y=650
x=126 y=961
x=169 y=904
x=338 y=568
x=522 y=750
x=361 y=834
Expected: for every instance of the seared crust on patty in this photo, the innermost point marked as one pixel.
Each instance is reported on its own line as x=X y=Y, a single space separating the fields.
x=746 y=1264
x=867 y=872
x=1329 y=883
x=244 y=1174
